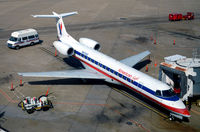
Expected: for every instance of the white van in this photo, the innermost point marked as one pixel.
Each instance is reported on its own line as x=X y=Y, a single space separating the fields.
x=23 y=38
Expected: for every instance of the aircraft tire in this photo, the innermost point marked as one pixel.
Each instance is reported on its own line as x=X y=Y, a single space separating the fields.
x=31 y=43
x=198 y=102
x=30 y=111
x=17 y=47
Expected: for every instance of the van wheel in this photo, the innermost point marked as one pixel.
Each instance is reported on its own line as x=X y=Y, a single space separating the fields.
x=17 y=47
x=31 y=43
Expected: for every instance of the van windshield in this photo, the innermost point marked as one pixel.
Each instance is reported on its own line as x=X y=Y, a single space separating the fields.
x=13 y=39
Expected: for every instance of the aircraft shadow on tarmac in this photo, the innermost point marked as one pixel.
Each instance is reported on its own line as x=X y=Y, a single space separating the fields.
x=2 y=120
x=68 y=82
x=73 y=62
x=142 y=64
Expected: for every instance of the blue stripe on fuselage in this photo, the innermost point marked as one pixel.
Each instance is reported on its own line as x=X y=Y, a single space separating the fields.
x=173 y=98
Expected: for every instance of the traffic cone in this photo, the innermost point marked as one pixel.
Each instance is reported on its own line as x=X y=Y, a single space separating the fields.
x=146 y=68
x=20 y=84
x=55 y=52
x=154 y=41
x=47 y=92
x=155 y=64
x=11 y=87
x=151 y=38
x=174 y=42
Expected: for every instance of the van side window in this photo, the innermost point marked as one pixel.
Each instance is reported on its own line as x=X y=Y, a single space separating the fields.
x=19 y=39
x=24 y=38
x=31 y=37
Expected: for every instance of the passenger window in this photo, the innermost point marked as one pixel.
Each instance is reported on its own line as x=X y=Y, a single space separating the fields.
x=128 y=80
x=85 y=57
x=89 y=58
x=92 y=60
x=100 y=64
x=111 y=70
x=24 y=38
x=31 y=37
x=116 y=73
x=104 y=67
x=19 y=39
x=158 y=93
x=36 y=35
x=107 y=68
x=139 y=85
x=124 y=77
x=96 y=62
x=135 y=83
x=120 y=75
x=77 y=52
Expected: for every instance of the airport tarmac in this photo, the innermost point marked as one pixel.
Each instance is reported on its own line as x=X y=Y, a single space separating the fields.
x=123 y=28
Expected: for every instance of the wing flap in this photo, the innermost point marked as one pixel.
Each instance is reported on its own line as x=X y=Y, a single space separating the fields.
x=65 y=74
x=133 y=60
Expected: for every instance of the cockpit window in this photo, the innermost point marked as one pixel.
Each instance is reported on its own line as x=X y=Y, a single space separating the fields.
x=158 y=93
x=168 y=93
x=13 y=39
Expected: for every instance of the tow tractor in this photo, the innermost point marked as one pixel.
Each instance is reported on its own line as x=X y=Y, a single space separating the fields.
x=179 y=17
x=29 y=104
x=189 y=16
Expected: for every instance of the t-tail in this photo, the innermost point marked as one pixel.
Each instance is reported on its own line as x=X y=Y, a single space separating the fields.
x=59 y=22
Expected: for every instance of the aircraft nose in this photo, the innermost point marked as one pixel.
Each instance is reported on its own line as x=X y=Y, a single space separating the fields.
x=186 y=112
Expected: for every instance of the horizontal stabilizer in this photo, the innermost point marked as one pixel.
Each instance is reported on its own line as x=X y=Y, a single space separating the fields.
x=84 y=73
x=133 y=60
x=55 y=15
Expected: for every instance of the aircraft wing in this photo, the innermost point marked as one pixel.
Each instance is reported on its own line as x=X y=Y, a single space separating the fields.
x=132 y=60
x=84 y=73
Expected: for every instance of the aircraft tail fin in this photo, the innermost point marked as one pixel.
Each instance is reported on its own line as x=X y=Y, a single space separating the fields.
x=59 y=21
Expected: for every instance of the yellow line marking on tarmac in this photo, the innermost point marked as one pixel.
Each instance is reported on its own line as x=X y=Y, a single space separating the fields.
x=136 y=100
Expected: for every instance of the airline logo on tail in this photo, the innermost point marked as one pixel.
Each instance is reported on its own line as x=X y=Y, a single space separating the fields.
x=60 y=28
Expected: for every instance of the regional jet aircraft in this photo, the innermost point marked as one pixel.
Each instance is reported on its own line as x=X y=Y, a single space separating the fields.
x=100 y=66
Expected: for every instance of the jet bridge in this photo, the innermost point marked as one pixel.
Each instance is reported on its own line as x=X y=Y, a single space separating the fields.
x=183 y=75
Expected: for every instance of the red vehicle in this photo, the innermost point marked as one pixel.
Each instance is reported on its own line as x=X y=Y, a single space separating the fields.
x=175 y=17
x=189 y=16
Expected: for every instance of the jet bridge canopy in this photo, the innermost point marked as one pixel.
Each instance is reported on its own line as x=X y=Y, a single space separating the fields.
x=182 y=74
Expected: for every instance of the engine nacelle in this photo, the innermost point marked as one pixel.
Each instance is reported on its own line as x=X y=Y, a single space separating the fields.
x=90 y=43
x=63 y=48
